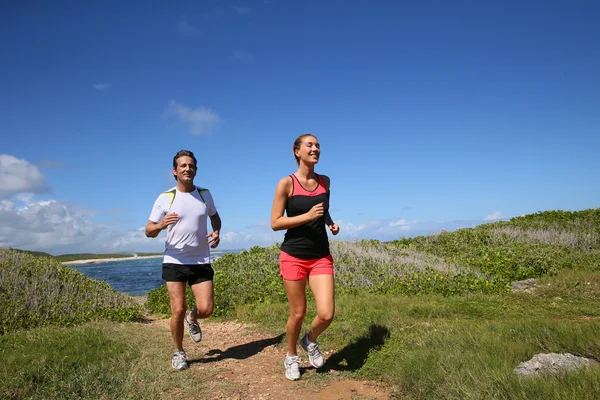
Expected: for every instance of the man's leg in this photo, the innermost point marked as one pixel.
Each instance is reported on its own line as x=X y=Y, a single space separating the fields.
x=177 y=297
x=205 y=298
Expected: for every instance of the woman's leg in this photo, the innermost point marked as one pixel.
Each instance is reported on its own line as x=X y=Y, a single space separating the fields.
x=322 y=287
x=296 y=294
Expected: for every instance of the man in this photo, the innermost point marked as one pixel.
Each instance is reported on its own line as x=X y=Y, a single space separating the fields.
x=182 y=210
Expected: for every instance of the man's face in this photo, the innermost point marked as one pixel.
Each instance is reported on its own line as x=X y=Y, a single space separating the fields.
x=186 y=169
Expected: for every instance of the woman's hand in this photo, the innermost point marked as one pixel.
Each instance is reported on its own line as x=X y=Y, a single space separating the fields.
x=334 y=228
x=316 y=212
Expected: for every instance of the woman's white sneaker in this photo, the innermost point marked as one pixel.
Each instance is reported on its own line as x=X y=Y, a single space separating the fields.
x=315 y=358
x=292 y=367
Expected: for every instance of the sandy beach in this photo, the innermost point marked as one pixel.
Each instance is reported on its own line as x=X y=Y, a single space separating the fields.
x=101 y=260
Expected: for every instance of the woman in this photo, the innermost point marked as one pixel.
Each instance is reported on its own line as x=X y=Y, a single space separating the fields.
x=304 y=197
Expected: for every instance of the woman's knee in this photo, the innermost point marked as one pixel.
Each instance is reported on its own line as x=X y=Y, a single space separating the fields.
x=326 y=316
x=298 y=314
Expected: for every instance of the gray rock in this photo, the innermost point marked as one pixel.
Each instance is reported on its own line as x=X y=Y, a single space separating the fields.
x=528 y=285
x=553 y=363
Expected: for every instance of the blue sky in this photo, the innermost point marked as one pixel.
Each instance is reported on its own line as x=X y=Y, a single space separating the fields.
x=431 y=114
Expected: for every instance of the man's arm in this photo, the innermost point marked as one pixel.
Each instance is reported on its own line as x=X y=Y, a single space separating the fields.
x=154 y=228
x=213 y=237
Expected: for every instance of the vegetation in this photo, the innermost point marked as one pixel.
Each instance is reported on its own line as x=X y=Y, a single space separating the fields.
x=98 y=360
x=34 y=253
x=485 y=259
x=37 y=291
x=433 y=317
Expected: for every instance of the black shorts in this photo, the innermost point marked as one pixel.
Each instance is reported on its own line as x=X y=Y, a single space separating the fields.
x=190 y=273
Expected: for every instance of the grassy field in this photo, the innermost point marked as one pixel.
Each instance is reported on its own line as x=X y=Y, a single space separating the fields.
x=433 y=317
x=96 y=360
x=464 y=347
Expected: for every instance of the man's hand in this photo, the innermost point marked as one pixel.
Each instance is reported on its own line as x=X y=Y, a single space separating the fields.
x=334 y=228
x=154 y=228
x=213 y=239
x=168 y=220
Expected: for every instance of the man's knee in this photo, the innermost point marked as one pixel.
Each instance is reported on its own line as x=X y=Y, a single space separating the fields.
x=178 y=310
x=204 y=311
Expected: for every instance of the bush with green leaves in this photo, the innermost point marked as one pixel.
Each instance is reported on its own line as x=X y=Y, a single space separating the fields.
x=484 y=259
x=251 y=276
x=37 y=291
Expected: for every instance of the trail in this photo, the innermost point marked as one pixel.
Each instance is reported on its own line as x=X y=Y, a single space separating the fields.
x=237 y=361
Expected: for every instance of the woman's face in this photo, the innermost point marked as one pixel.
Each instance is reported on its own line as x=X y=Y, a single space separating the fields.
x=309 y=150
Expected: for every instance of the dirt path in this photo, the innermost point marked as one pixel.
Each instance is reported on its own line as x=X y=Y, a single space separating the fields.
x=238 y=362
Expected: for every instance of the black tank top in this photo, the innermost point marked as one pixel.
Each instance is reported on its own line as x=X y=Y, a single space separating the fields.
x=309 y=240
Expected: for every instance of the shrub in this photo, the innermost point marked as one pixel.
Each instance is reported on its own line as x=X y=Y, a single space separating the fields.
x=38 y=291
x=248 y=277
x=483 y=259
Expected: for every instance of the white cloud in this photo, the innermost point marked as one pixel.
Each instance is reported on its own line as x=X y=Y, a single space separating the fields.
x=240 y=55
x=262 y=225
x=494 y=216
x=103 y=87
x=186 y=29
x=241 y=10
x=201 y=120
x=387 y=229
x=402 y=224
x=6 y=205
x=59 y=228
x=19 y=176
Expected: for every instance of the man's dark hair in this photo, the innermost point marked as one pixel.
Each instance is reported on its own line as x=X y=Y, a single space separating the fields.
x=183 y=153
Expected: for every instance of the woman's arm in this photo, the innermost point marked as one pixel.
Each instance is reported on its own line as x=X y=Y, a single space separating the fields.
x=282 y=194
x=333 y=227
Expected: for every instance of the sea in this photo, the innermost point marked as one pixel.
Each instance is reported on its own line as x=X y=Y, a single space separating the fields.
x=134 y=277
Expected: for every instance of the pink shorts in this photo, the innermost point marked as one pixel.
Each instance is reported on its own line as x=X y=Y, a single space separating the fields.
x=292 y=268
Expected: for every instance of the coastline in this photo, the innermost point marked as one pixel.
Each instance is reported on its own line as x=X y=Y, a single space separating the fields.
x=101 y=260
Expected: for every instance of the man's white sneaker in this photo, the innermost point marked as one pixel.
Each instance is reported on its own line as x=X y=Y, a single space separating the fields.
x=193 y=328
x=315 y=358
x=292 y=367
x=179 y=360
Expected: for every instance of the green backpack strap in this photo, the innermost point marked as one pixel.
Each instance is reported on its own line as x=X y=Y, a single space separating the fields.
x=200 y=191
x=172 y=194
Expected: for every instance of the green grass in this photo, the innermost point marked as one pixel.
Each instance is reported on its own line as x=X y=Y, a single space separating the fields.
x=462 y=347
x=433 y=317
x=99 y=360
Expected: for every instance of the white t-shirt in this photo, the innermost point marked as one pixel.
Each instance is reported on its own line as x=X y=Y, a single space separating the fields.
x=186 y=241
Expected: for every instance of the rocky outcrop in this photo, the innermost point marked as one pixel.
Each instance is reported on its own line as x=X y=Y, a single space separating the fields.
x=553 y=363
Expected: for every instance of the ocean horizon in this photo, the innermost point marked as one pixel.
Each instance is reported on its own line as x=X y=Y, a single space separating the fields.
x=135 y=277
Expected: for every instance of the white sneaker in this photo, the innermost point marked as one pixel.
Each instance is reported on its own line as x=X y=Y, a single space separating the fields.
x=179 y=360
x=315 y=358
x=292 y=367
x=193 y=328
